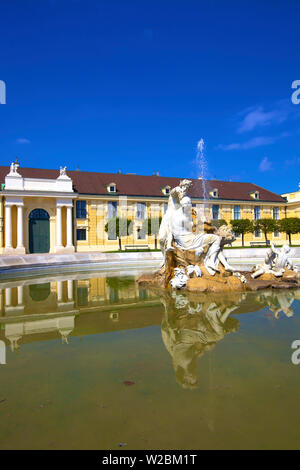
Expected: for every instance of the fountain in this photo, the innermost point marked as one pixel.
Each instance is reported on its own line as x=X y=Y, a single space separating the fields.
x=202 y=166
x=194 y=259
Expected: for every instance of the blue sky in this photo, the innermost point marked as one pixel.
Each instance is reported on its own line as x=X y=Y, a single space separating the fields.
x=134 y=84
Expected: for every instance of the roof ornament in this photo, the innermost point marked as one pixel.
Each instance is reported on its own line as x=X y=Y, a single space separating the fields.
x=63 y=171
x=14 y=168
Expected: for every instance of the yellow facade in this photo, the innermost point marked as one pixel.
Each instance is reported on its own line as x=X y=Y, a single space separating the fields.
x=97 y=216
x=76 y=221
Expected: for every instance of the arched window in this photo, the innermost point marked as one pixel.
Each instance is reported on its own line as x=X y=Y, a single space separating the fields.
x=39 y=214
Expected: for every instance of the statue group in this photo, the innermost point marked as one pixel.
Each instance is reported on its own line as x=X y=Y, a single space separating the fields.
x=193 y=254
x=177 y=229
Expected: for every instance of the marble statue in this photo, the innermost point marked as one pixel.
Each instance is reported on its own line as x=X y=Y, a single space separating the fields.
x=62 y=171
x=165 y=233
x=180 y=278
x=178 y=227
x=275 y=262
x=14 y=169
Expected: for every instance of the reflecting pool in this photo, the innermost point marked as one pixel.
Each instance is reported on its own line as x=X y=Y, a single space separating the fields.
x=95 y=362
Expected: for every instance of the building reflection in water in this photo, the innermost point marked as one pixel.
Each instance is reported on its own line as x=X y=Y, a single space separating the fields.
x=33 y=311
x=192 y=324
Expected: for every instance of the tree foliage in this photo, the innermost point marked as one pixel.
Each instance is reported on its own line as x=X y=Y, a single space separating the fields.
x=118 y=227
x=290 y=225
x=241 y=227
x=218 y=222
x=266 y=226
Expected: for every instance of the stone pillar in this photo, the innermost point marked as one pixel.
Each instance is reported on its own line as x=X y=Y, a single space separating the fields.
x=69 y=227
x=20 y=242
x=69 y=248
x=1 y=303
x=59 y=291
x=20 y=295
x=58 y=228
x=8 y=297
x=70 y=290
x=8 y=228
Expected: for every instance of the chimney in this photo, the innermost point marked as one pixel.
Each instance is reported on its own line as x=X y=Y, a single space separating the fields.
x=157 y=173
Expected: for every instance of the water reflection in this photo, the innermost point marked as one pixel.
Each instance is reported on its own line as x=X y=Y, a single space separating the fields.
x=33 y=310
x=194 y=324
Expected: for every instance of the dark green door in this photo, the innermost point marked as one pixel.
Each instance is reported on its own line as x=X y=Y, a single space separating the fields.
x=39 y=231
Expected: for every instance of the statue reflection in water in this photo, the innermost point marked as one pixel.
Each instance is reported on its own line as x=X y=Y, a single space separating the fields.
x=192 y=327
x=193 y=324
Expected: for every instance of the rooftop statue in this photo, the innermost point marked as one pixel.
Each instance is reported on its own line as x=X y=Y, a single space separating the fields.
x=62 y=171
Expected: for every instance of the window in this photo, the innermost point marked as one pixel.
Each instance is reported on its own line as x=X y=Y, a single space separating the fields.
x=276 y=213
x=237 y=212
x=256 y=213
x=143 y=294
x=81 y=234
x=276 y=234
x=112 y=209
x=257 y=233
x=236 y=234
x=141 y=210
x=80 y=209
x=214 y=192
x=167 y=190
x=82 y=296
x=112 y=188
x=254 y=194
x=215 y=212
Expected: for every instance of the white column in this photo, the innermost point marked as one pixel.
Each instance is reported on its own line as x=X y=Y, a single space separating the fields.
x=58 y=227
x=1 y=302
x=59 y=291
x=69 y=226
x=8 y=297
x=70 y=289
x=8 y=230
x=20 y=243
x=20 y=295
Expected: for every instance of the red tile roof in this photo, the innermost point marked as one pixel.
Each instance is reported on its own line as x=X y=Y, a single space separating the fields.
x=86 y=182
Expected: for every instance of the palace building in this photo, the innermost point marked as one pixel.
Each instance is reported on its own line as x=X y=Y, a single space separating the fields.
x=55 y=211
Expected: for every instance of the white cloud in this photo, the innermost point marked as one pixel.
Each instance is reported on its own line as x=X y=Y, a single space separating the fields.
x=249 y=144
x=265 y=164
x=252 y=143
x=23 y=141
x=258 y=117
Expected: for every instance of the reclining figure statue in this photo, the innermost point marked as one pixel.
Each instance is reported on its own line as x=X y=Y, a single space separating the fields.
x=276 y=260
x=177 y=228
